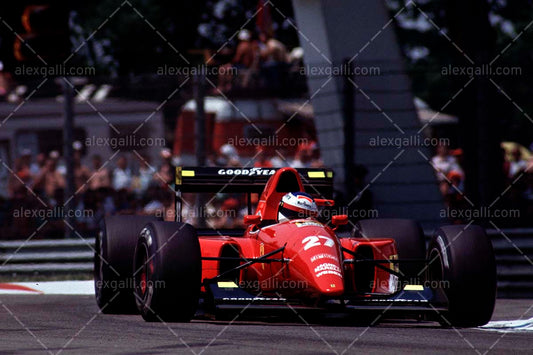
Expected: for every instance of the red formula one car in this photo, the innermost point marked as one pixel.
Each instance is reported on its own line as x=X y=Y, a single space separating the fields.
x=169 y=271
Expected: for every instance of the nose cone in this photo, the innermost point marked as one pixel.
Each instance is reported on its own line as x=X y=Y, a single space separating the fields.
x=327 y=278
x=316 y=260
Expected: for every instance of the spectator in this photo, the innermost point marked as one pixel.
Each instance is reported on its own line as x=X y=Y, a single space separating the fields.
x=165 y=173
x=296 y=57
x=453 y=193
x=274 y=59
x=272 y=51
x=228 y=156
x=303 y=156
x=246 y=57
x=261 y=158
x=517 y=164
x=20 y=180
x=444 y=163
x=277 y=161
x=36 y=166
x=50 y=180
x=122 y=175
x=155 y=201
x=146 y=176
x=82 y=174
x=314 y=151
x=246 y=52
x=6 y=82
x=25 y=160
x=100 y=175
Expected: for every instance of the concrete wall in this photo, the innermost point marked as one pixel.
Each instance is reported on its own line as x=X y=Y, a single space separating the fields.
x=332 y=31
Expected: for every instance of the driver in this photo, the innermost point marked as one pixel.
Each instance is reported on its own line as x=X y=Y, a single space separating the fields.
x=296 y=205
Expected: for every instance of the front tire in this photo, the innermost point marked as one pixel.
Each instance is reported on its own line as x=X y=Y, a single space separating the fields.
x=167 y=272
x=462 y=258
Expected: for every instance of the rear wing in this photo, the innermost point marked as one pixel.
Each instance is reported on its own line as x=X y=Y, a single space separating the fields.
x=237 y=180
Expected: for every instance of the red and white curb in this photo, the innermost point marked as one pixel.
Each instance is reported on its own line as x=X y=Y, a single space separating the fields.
x=48 y=288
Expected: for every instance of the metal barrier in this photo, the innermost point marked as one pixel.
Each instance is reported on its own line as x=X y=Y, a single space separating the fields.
x=61 y=256
x=513 y=249
x=514 y=258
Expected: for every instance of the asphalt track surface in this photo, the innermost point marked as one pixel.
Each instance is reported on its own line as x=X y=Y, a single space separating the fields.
x=33 y=324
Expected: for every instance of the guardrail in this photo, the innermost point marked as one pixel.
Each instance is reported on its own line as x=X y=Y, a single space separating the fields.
x=514 y=259
x=513 y=249
x=61 y=256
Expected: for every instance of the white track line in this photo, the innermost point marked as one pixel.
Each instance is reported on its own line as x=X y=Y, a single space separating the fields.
x=510 y=326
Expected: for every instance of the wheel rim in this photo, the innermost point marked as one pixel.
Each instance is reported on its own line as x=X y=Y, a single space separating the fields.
x=143 y=280
x=144 y=267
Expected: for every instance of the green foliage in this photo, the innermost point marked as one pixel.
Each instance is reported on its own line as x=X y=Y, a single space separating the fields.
x=513 y=46
x=124 y=39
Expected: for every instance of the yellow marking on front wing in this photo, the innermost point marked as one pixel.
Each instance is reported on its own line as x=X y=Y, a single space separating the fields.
x=227 y=284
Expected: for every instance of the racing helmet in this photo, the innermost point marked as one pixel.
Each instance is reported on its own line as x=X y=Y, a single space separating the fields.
x=295 y=205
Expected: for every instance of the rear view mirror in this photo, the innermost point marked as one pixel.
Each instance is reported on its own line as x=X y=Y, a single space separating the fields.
x=339 y=220
x=323 y=202
x=250 y=219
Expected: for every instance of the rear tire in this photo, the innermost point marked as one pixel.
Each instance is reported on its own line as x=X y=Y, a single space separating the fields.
x=463 y=259
x=168 y=272
x=114 y=250
x=409 y=238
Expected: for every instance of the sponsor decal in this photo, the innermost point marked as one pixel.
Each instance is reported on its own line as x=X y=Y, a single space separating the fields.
x=317 y=240
x=323 y=256
x=328 y=269
x=307 y=223
x=247 y=172
x=397 y=300
x=252 y=299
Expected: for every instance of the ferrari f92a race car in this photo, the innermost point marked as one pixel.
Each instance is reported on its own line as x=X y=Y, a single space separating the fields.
x=169 y=271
